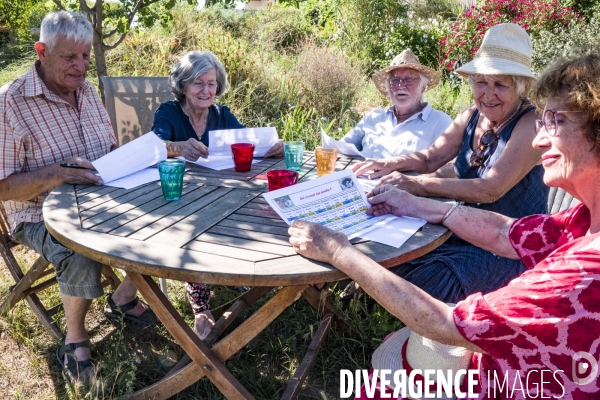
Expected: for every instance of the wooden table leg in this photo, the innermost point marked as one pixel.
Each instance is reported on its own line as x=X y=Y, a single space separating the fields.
x=226 y=319
x=225 y=348
x=314 y=298
x=211 y=366
x=293 y=389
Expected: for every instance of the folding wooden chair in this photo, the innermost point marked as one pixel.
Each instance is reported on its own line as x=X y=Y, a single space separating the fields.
x=560 y=200
x=27 y=284
x=131 y=102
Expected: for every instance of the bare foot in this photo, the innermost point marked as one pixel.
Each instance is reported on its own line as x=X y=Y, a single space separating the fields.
x=203 y=324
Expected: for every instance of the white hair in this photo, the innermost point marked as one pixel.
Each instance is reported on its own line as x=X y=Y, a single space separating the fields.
x=65 y=25
x=522 y=84
x=423 y=81
x=190 y=67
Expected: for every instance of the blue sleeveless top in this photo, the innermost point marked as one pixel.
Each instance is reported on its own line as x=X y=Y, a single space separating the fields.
x=528 y=196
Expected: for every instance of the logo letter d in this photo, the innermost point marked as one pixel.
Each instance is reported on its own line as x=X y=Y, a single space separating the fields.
x=584 y=364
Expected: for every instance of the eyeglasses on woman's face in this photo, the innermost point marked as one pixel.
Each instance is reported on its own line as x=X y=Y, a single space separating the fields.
x=201 y=85
x=551 y=120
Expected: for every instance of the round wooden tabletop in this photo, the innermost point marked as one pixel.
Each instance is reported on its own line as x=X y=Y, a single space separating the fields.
x=221 y=231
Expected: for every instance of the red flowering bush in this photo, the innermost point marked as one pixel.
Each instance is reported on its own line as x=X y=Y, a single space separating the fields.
x=466 y=34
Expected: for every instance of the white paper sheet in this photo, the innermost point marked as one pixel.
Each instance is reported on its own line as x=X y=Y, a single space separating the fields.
x=217 y=163
x=262 y=138
x=335 y=201
x=136 y=179
x=342 y=147
x=395 y=231
x=134 y=156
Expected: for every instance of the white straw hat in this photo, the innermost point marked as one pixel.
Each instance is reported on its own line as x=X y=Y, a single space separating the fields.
x=406 y=59
x=421 y=353
x=505 y=50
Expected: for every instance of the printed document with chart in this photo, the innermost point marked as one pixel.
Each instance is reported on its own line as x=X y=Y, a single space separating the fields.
x=336 y=201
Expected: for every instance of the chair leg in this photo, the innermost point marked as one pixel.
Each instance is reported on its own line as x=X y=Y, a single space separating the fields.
x=40 y=312
x=111 y=277
x=24 y=284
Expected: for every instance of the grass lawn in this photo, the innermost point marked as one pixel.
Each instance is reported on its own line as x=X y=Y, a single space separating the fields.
x=130 y=358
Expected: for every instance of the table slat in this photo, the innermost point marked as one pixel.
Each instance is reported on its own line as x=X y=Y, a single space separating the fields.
x=197 y=222
x=235 y=242
x=167 y=212
x=259 y=236
x=236 y=253
x=276 y=230
x=257 y=220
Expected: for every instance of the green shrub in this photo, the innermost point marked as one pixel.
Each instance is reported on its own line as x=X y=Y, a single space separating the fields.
x=441 y=9
x=449 y=98
x=327 y=79
x=419 y=35
x=580 y=35
x=278 y=28
x=362 y=25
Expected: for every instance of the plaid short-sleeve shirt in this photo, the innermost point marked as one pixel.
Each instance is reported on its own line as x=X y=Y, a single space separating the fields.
x=38 y=128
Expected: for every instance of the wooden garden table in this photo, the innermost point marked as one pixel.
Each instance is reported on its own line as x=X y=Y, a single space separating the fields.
x=220 y=232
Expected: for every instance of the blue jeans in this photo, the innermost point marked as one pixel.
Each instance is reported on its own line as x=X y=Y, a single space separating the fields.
x=77 y=276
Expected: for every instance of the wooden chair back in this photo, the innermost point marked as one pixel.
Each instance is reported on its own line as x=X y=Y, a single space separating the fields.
x=560 y=200
x=33 y=279
x=131 y=102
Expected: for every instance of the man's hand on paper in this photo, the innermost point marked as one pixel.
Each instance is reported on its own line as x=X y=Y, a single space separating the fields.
x=411 y=184
x=317 y=242
x=76 y=176
x=374 y=168
x=276 y=150
x=193 y=149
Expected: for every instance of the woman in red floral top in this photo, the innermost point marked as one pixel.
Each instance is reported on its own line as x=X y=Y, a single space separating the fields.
x=544 y=319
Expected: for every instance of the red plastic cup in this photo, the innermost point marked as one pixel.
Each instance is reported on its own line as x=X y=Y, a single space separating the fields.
x=242 y=156
x=280 y=178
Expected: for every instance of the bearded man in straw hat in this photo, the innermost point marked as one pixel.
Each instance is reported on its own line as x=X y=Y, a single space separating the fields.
x=410 y=124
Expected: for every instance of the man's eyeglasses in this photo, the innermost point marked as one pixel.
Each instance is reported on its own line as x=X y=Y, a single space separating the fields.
x=209 y=85
x=408 y=82
x=550 y=121
x=487 y=139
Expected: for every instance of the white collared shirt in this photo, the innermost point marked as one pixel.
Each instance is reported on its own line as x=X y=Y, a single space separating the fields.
x=379 y=135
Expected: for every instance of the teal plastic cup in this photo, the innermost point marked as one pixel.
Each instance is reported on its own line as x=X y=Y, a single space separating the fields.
x=171 y=178
x=294 y=155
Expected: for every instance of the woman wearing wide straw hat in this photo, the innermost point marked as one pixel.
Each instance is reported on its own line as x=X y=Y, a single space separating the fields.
x=495 y=168
x=534 y=337
x=410 y=124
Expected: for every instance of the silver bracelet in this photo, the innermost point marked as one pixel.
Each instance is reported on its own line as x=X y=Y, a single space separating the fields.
x=450 y=211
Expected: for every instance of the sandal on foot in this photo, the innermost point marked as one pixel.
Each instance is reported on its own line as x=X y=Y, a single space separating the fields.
x=117 y=313
x=73 y=366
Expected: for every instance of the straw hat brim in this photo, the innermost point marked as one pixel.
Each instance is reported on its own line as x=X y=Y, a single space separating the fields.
x=494 y=66
x=389 y=355
x=380 y=77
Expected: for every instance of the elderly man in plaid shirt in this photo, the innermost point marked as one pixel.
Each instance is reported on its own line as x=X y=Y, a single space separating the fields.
x=52 y=115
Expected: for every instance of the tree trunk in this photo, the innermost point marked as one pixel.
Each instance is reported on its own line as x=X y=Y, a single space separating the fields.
x=100 y=61
x=94 y=15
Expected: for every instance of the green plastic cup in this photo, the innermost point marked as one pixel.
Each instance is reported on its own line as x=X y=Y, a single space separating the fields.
x=171 y=178
x=294 y=155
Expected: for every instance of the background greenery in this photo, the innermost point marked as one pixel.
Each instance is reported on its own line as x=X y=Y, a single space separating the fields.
x=302 y=66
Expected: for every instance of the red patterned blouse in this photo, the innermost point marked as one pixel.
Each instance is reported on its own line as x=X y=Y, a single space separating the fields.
x=536 y=329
